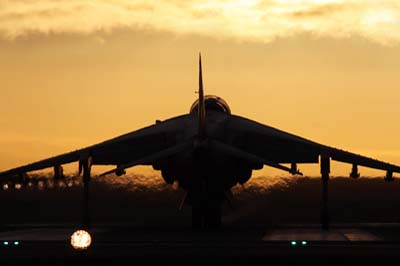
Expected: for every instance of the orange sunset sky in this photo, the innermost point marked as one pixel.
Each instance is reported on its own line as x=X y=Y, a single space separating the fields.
x=74 y=73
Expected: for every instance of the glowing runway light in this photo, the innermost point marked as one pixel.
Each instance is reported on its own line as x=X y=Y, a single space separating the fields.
x=304 y=243
x=81 y=239
x=50 y=184
x=16 y=243
x=61 y=184
x=5 y=243
x=40 y=185
x=294 y=243
x=5 y=186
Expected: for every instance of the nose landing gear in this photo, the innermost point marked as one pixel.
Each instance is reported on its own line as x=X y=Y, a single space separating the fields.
x=206 y=198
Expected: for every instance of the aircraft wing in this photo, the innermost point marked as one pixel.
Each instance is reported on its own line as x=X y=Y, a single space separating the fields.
x=120 y=150
x=282 y=147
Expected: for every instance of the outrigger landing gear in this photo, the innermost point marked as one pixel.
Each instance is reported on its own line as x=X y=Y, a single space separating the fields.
x=87 y=165
x=325 y=170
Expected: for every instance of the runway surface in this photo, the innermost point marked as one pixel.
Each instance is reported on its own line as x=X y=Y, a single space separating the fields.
x=121 y=243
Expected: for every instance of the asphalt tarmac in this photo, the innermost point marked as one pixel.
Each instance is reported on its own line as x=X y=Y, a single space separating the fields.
x=128 y=244
x=138 y=223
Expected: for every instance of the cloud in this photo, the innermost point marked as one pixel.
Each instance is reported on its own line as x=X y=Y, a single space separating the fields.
x=252 y=20
x=318 y=11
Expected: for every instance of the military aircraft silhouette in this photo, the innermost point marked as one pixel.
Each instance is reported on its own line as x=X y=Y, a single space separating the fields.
x=207 y=151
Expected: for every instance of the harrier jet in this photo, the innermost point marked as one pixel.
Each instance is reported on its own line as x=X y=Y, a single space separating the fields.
x=207 y=151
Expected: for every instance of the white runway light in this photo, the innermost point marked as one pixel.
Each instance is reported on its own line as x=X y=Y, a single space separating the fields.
x=81 y=240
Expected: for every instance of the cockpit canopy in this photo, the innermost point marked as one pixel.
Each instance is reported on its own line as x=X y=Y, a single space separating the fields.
x=212 y=103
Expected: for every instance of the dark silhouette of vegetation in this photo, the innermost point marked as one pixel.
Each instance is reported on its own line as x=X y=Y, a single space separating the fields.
x=289 y=201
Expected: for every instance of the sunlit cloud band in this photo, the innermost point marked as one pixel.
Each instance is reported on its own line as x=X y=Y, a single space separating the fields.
x=244 y=20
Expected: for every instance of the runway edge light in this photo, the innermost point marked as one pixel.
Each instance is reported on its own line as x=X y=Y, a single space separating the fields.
x=81 y=240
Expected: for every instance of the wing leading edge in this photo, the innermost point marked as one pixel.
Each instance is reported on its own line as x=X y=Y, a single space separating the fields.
x=117 y=151
x=282 y=147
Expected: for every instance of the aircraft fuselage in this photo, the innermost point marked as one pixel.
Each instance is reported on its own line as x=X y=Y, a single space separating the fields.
x=201 y=162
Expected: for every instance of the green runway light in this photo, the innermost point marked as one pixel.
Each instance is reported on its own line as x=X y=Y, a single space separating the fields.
x=294 y=243
x=16 y=243
x=304 y=243
x=5 y=243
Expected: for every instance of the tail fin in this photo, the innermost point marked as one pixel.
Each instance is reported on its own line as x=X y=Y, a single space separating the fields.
x=201 y=108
